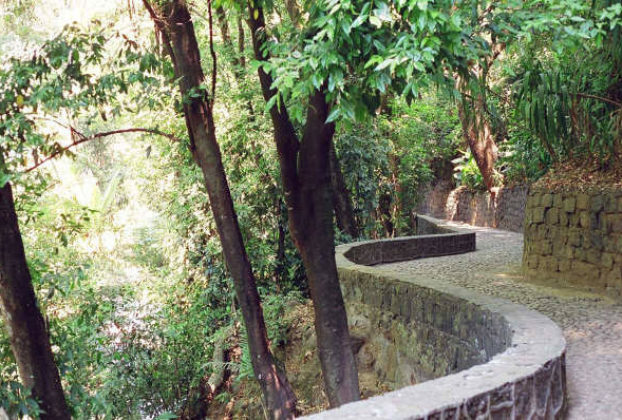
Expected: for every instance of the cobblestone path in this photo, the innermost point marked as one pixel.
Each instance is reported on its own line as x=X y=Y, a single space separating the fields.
x=592 y=324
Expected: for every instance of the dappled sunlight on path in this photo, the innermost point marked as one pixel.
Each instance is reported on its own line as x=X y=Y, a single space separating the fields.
x=592 y=324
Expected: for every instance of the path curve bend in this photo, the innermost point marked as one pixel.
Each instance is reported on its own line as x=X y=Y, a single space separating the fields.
x=523 y=374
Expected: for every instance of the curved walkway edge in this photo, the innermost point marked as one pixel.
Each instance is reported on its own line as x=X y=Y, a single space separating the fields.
x=524 y=376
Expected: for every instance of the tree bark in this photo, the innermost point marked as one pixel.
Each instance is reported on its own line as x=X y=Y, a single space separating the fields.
x=342 y=203
x=223 y=24
x=29 y=339
x=476 y=128
x=383 y=213
x=305 y=175
x=479 y=136
x=241 y=42
x=177 y=26
x=281 y=257
x=293 y=10
x=315 y=238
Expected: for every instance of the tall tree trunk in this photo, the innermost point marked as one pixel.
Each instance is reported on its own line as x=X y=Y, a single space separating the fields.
x=342 y=202
x=479 y=136
x=29 y=339
x=241 y=42
x=293 y=10
x=305 y=175
x=178 y=28
x=383 y=213
x=397 y=211
x=281 y=257
x=223 y=23
x=476 y=128
x=315 y=238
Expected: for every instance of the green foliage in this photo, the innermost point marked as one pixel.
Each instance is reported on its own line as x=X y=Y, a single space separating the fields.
x=522 y=158
x=159 y=365
x=70 y=75
x=15 y=400
x=274 y=307
x=359 y=50
x=391 y=159
x=573 y=106
x=467 y=173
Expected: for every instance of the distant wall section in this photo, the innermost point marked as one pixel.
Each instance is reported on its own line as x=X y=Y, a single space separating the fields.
x=505 y=209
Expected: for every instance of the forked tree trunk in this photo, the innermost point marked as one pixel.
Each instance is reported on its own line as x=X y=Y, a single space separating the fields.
x=479 y=136
x=476 y=128
x=176 y=24
x=305 y=174
x=313 y=217
x=29 y=339
x=342 y=203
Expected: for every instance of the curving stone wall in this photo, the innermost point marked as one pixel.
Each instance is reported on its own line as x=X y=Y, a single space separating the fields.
x=475 y=356
x=575 y=238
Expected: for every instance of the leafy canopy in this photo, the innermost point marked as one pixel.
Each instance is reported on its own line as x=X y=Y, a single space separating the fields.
x=76 y=75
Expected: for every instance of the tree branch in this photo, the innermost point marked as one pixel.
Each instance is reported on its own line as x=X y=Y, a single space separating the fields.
x=212 y=51
x=599 y=98
x=161 y=28
x=83 y=139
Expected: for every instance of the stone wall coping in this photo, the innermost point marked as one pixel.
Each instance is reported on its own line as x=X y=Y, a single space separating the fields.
x=536 y=344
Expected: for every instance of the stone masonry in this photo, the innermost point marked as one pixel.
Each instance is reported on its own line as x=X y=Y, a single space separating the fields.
x=492 y=359
x=575 y=238
x=503 y=209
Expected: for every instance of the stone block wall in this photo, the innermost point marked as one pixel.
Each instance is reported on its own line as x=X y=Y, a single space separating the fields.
x=422 y=334
x=575 y=238
x=505 y=209
x=491 y=359
x=401 y=249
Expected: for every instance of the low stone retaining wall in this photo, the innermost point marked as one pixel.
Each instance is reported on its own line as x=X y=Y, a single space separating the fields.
x=491 y=358
x=503 y=210
x=435 y=241
x=575 y=238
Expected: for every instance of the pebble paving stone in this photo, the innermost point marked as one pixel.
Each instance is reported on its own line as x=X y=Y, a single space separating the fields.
x=592 y=324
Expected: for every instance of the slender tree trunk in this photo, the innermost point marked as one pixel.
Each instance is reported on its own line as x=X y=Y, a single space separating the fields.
x=342 y=202
x=281 y=261
x=383 y=213
x=479 y=136
x=223 y=24
x=241 y=42
x=315 y=237
x=305 y=174
x=397 y=211
x=476 y=128
x=293 y=10
x=29 y=339
x=184 y=50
